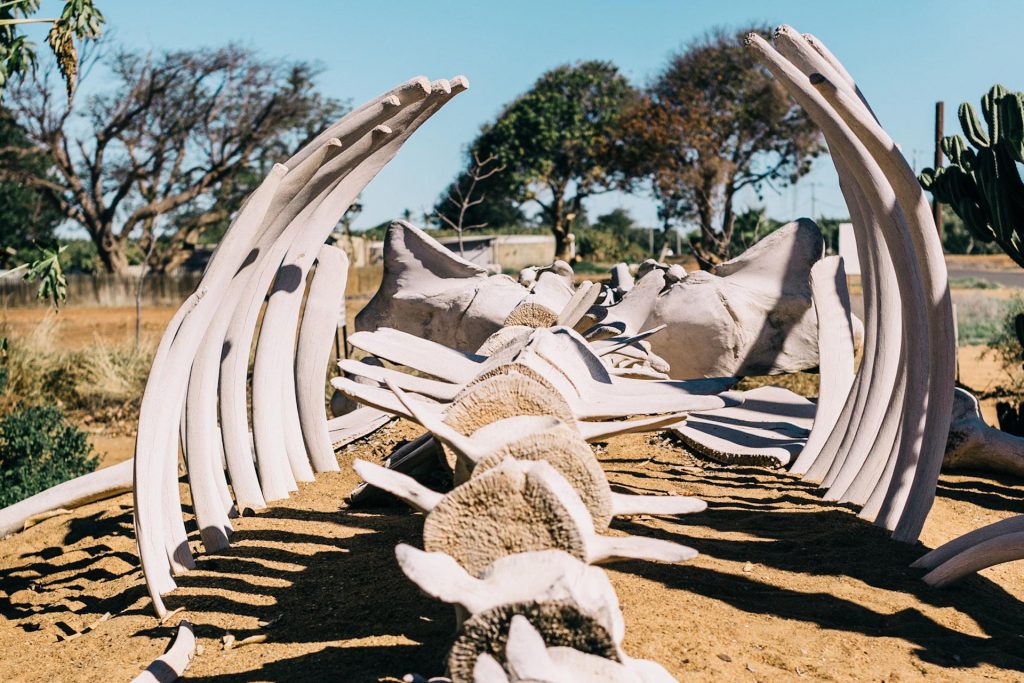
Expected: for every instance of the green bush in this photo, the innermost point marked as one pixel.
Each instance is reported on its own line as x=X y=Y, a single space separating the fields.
x=40 y=449
x=1006 y=346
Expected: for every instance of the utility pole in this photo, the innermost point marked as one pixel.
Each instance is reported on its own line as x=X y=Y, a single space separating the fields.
x=939 y=127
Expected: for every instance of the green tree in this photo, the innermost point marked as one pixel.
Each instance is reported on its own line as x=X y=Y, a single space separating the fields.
x=28 y=217
x=613 y=237
x=177 y=133
x=556 y=142
x=711 y=124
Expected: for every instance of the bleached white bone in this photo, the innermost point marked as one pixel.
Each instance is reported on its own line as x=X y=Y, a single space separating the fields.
x=1006 y=547
x=160 y=531
x=973 y=444
x=324 y=307
x=384 y=399
x=904 y=488
x=430 y=292
x=836 y=354
x=364 y=420
x=564 y=349
x=540 y=576
x=171 y=665
x=525 y=505
x=524 y=438
x=529 y=659
x=718 y=322
x=88 y=488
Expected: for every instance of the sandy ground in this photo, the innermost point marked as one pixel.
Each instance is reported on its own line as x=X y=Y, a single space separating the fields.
x=785 y=588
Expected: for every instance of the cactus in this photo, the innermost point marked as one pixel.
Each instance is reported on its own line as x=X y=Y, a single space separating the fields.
x=983 y=185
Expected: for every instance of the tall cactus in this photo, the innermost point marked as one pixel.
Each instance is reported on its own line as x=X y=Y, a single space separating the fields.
x=984 y=185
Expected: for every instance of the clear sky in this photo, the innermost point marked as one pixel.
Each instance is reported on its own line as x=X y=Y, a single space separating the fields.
x=905 y=54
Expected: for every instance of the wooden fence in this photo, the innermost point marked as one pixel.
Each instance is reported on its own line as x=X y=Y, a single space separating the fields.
x=101 y=291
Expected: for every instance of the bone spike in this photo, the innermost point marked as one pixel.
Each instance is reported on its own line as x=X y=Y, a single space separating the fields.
x=442 y=578
x=612 y=548
x=435 y=424
x=171 y=665
x=624 y=505
x=398 y=484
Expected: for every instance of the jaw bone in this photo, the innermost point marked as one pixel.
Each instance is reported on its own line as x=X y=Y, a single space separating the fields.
x=774 y=424
x=750 y=316
x=430 y=292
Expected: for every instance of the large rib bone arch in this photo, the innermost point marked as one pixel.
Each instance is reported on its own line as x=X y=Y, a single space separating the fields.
x=886 y=447
x=201 y=366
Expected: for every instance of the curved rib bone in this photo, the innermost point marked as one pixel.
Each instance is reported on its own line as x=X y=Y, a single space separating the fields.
x=325 y=306
x=835 y=351
x=171 y=665
x=88 y=488
x=269 y=217
x=1006 y=547
x=911 y=245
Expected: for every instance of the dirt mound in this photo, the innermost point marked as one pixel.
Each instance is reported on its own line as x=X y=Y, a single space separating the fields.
x=786 y=587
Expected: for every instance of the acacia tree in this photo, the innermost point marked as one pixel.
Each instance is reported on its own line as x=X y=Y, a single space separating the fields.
x=712 y=123
x=556 y=141
x=180 y=134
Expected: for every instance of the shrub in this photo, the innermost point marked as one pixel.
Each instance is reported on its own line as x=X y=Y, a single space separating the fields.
x=1007 y=347
x=39 y=449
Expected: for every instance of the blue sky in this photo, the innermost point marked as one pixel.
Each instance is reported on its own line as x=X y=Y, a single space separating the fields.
x=905 y=55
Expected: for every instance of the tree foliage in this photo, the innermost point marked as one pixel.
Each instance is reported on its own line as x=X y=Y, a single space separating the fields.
x=28 y=217
x=556 y=143
x=177 y=135
x=712 y=123
x=613 y=237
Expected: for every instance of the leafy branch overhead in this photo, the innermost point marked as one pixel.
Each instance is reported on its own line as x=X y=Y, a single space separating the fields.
x=983 y=182
x=80 y=20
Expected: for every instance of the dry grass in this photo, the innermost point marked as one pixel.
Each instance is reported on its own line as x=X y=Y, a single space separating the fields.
x=101 y=379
